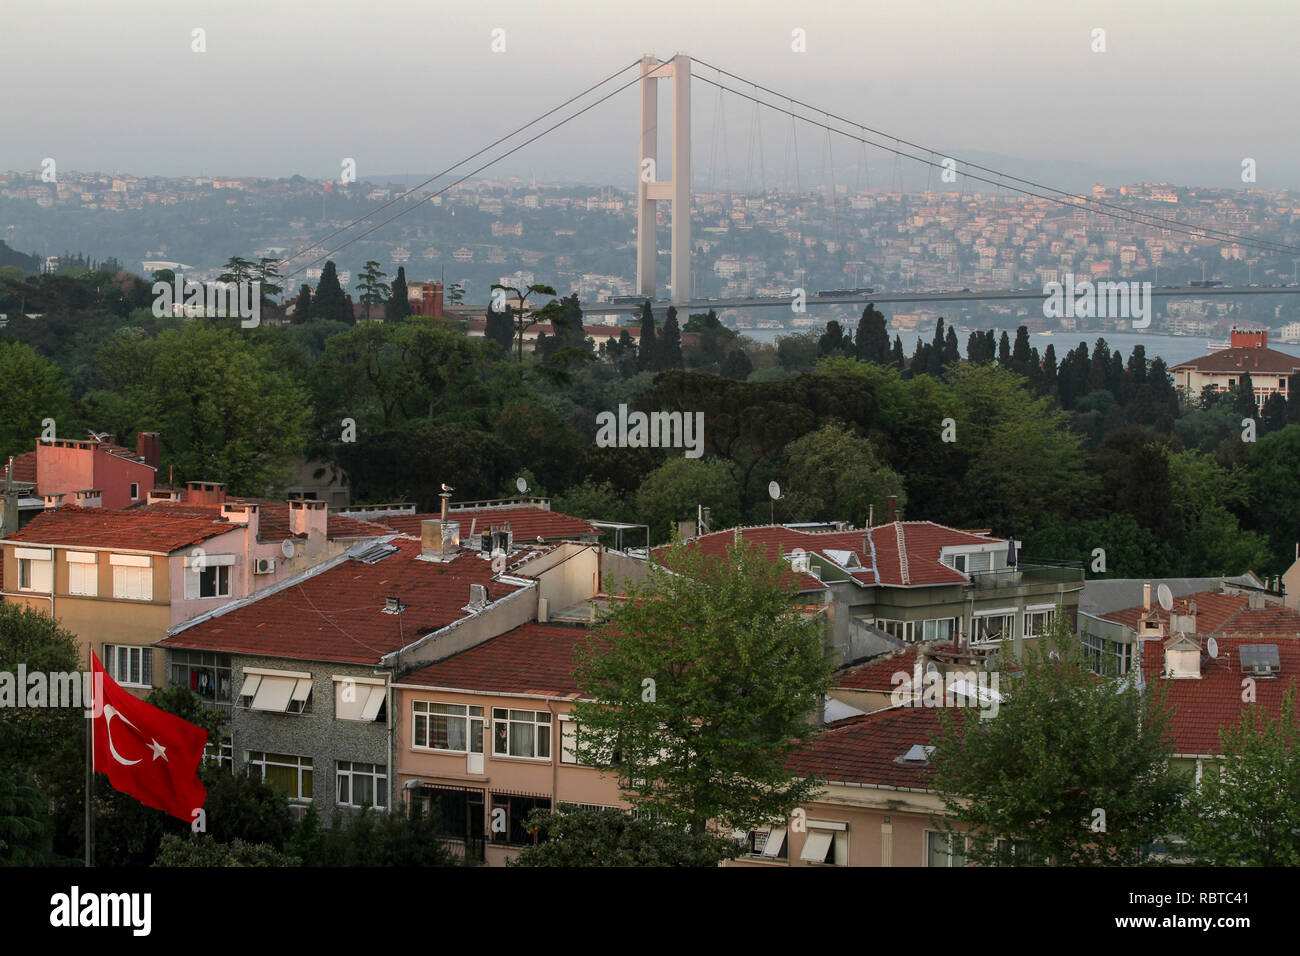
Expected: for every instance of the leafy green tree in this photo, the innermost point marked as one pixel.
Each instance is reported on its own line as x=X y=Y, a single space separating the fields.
x=1274 y=413
x=32 y=389
x=224 y=409
x=238 y=270
x=267 y=272
x=524 y=316
x=1246 y=811
x=594 y=500
x=672 y=491
x=38 y=738
x=571 y=836
x=374 y=291
x=1131 y=551
x=835 y=474
x=204 y=850
x=24 y=825
x=1074 y=770
x=736 y=366
x=1274 y=484
x=374 y=839
x=694 y=711
x=398 y=305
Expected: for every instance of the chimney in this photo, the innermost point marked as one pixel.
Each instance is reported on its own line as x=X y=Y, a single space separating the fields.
x=158 y=495
x=91 y=498
x=53 y=501
x=477 y=597
x=437 y=299
x=205 y=492
x=242 y=514
x=893 y=499
x=1146 y=596
x=308 y=517
x=1183 y=658
x=148 y=445
x=1185 y=621
x=1255 y=600
x=439 y=540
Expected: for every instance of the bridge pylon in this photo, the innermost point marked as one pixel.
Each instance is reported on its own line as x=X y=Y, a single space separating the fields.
x=651 y=189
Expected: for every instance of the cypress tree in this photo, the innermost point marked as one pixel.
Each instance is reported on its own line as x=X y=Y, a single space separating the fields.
x=398 y=305
x=302 y=310
x=951 y=351
x=670 y=347
x=1049 y=370
x=1004 y=350
x=329 y=302
x=896 y=354
x=1020 y=352
x=1245 y=403
x=647 y=352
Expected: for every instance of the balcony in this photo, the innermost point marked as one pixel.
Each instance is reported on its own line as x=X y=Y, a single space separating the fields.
x=1027 y=573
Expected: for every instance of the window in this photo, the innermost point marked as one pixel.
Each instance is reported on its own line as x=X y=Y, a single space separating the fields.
x=135 y=491
x=222 y=754
x=35 y=570
x=362 y=784
x=460 y=810
x=509 y=827
x=1038 y=620
x=991 y=628
x=83 y=573
x=521 y=733
x=941 y=851
x=129 y=665
x=360 y=698
x=942 y=629
x=132 y=576
x=287 y=774
x=207 y=675
x=454 y=727
x=826 y=843
x=276 y=692
x=214 y=582
x=959 y=562
x=903 y=630
x=768 y=843
x=571 y=750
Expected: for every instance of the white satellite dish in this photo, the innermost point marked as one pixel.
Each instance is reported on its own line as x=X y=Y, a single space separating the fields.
x=521 y=485
x=286 y=548
x=1213 y=647
x=774 y=491
x=1165 y=596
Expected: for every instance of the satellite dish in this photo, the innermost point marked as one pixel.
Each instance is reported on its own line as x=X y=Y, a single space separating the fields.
x=521 y=485
x=1165 y=596
x=1213 y=647
x=774 y=491
x=286 y=548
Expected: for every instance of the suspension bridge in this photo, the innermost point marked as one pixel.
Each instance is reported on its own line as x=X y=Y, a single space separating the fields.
x=682 y=71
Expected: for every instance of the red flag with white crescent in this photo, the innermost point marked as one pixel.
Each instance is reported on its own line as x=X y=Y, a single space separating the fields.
x=146 y=752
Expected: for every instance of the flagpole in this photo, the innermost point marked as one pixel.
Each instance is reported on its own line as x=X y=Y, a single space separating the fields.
x=90 y=758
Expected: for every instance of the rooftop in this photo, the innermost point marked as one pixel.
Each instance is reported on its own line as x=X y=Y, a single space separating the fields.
x=131 y=529
x=1219 y=613
x=866 y=749
x=530 y=659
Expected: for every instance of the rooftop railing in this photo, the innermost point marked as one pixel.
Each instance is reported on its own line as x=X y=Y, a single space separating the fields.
x=1029 y=572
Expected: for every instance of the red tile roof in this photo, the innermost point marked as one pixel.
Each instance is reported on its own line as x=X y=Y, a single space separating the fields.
x=1219 y=613
x=920 y=542
x=133 y=529
x=1247 y=359
x=530 y=659
x=865 y=749
x=526 y=523
x=24 y=467
x=1201 y=707
x=272 y=519
x=338 y=614
x=878 y=673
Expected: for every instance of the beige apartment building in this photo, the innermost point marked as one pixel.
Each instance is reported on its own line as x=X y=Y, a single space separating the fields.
x=1271 y=372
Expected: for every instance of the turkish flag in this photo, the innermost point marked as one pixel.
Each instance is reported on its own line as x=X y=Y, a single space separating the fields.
x=146 y=752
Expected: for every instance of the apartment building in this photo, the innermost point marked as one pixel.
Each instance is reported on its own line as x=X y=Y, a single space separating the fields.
x=1271 y=372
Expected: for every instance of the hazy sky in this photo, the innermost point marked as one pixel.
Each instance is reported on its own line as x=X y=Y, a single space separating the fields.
x=294 y=86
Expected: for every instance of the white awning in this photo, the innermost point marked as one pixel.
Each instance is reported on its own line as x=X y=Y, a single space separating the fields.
x=274 y=694
x=775 y=841
x=817 y=846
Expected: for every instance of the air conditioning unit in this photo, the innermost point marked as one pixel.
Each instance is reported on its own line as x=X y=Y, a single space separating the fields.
x=297 y=811
x=264 y=566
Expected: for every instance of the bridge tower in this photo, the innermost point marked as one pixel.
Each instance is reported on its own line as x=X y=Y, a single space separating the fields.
x=651 y=189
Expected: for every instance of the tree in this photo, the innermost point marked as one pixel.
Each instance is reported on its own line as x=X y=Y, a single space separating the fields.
x=330 y=303
x=24 y=830
x=670 y=346
x=524 y=316
x=204 y=850
x=1004 y=351
x=873 y=336
x=302 y=310
x=500 y=328
x=238 y=270
x=373 y=291
x=398 y=305
x=32 y=389
x=834 y=474
x=572 y=836
x=1275 y=489
x=1073 y=771
x=1274 y=413
x=736 y=365
x=267 y=272
x=1244 y=402
x=696 y=714
x=598 y=500
x=647 y=353
x=1246 y=811
x=672 y=491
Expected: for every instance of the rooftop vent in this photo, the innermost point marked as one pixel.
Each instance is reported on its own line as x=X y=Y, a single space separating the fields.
x=393 y=605
x=477 y=597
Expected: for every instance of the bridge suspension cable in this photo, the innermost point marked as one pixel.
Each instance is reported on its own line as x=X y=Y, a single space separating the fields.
x=462 y=162
x=1062 y=197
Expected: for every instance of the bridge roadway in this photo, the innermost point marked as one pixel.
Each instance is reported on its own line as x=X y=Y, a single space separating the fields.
x=879 y=298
